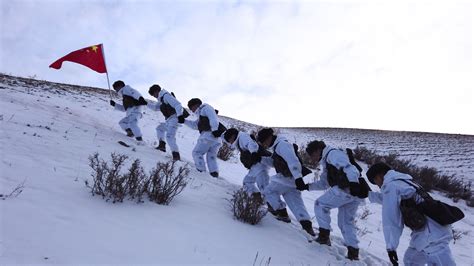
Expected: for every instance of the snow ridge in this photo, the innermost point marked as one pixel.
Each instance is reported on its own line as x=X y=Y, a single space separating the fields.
x=48 y=130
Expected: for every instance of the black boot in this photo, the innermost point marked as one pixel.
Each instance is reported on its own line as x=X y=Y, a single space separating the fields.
x=215 y=174
x=161 y=146
x=271 y=210
x=308 y=227
x=282 y=215
x=176 y=156
x=352 y=253
x=323 y=237
x=129 y=132
x=140 y=141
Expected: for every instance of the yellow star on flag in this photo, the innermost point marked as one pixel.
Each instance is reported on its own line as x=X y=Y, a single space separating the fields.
x=94 y=48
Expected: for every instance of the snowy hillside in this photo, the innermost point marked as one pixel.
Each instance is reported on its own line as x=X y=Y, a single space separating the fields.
x=49 y=130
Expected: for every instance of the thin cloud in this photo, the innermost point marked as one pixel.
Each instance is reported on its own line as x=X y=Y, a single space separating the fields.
x=272 y=63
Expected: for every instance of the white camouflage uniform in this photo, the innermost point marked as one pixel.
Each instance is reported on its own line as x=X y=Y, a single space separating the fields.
x=258 y=173
x=336 y=197
x=206 y=144
x=429 y=245
x=170 y=125
x=133 y=114
x=281 y=185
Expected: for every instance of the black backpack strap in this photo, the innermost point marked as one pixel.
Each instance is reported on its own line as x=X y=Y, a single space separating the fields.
x=238 y=145
x=162 y=97
x=416 y=186
x=419 y=189
x=350 y=154
x=274 y=148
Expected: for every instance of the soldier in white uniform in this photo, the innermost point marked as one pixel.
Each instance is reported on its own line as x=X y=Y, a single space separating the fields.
x=209 y=141
x=341 y=178
x=253 y=157
x=289 y=176
x=173 y=112
x=428 y=245
x=132 y=102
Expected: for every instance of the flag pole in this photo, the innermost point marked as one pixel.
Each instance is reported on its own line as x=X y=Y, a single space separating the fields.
x=107 y=72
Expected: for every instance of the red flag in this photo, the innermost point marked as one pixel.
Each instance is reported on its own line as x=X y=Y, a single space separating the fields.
x=91 y=57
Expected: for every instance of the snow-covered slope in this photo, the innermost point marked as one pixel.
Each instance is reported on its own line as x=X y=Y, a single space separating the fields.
x=48 y=131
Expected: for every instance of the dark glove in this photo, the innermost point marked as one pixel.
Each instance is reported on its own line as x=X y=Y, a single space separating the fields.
x=392 y=255
x=142 y=101
x=256 y=158
x=112 y=102
x=305 y=170
x=181 y=119
x=364 y=188
x=216 y=133
x=300 y=185
x=354 y=189
x=185 y=113
x=263 y=152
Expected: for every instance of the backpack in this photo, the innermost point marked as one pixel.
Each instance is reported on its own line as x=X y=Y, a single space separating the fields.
x=281 y=166
x=249 y=159
x=440 y=212
x=168 y=110
x=205 y=125
x=337 y=177
x=412 y=214
x=129 y=101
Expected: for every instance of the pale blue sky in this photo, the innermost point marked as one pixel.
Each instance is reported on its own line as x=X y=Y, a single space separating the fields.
x=396 y=65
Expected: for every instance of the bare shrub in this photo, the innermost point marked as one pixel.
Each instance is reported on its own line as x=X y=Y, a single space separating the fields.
x=15 y=192
x=99 y=171
x=136 y=181
x=166 y=182
x=161 y=186
x=305 y=158
x=458 y=234
x=365 y=213
x=225 y=152
x=249 y=209
x=428 y=177
x=107 y=181
x=362 y=231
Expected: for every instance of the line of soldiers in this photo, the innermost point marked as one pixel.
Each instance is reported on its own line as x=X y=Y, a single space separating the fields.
x=287 y=183
x=208 y=123
x=340 y=177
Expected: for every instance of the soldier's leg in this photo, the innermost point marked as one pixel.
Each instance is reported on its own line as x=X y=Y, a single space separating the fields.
x=133 y=123
x=345 y=220
x=201 y=148
x=273 y=196
x=293 y=198
x=212 y=157
x=171 y=128
x=413 y=257
x=160 y=131
x=323 y=206
x=249 y=183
